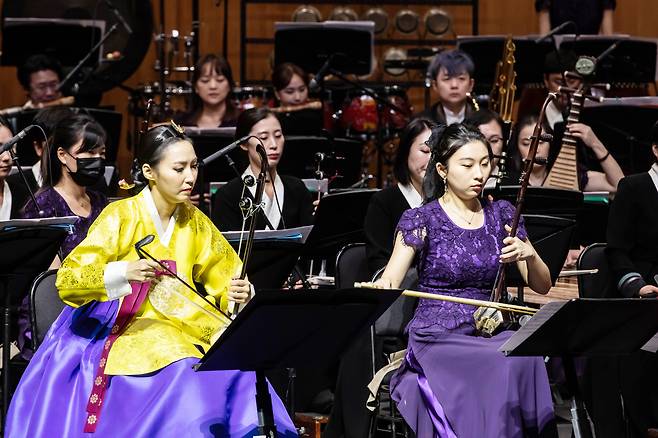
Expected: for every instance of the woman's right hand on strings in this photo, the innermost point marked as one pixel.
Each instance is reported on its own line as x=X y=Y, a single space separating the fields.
x=141 y=270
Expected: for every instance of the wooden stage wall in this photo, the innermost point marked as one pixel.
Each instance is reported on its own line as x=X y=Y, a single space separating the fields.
x=634 y=17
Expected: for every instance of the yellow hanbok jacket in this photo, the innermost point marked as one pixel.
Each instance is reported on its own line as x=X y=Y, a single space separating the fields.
x=167 y=327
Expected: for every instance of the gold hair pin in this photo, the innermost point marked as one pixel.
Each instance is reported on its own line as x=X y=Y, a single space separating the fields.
x=177 y=127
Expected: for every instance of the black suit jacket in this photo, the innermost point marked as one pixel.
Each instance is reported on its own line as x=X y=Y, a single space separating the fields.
x=297 y=208
x=384 y=212
x=438 y=115
x=19 y=196
x=632 y=233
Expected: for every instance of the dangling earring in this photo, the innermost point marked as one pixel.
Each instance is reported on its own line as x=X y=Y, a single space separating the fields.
x=445 y=184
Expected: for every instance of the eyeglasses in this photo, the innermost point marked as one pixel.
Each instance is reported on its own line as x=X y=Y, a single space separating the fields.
x=53 y=85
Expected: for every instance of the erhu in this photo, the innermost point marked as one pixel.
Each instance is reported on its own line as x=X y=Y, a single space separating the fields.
x=487 y=320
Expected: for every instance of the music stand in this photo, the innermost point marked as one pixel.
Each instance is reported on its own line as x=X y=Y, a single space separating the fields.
x=338 y=221
x=110 y=121
x=585 y=327
x=26 y=251
x=634 y=60
x=273 y=256
x=625 y=129
x=488 y=50
x=551 y=237
x=309 y=45
x=288 y=329
x=542 y=200
x=343 y=157
x=62 y=38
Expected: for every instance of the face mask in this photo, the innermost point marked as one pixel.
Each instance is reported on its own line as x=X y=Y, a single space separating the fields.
x=90 y=170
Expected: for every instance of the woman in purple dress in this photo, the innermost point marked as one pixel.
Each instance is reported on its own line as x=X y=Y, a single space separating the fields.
x=73 y=160
x=453 y=383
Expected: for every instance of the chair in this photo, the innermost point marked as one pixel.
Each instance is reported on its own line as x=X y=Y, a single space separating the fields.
x=594 y=285
x=45 y=305
x=390 y=326
x=351 y=265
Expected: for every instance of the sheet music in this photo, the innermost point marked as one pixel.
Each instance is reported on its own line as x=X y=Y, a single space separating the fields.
x=67 y=221
x=298 y=234
x=544 y=314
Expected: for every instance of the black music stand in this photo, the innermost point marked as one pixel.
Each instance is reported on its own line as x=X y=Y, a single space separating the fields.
x=343 y=158
x=26 y=251
x=551 y=237
x=488 y=50
x=585 y=327
x=66 y=40
x=272 y=258
x=624 y=128
x=634 y=60
x=542 y=200
x=288 y=329
x=338 y=221
x=309 y=45
x=109 y=119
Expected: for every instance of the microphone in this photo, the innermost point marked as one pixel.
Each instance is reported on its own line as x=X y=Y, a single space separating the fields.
x=15 y=139
x=315 y=82
x=225 y=150
x=116 y=12
x=557 y=30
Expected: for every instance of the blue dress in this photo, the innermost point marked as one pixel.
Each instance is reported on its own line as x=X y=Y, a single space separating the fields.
x=453 y=383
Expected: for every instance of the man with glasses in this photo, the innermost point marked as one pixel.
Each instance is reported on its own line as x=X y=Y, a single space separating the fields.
x=40 y=76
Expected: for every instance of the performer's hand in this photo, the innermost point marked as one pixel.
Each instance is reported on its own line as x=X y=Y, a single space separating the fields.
x=381 y=283
x=141 y=270
x=239 y=291
x=648 y=290
x=585 y=133
x=515 y=249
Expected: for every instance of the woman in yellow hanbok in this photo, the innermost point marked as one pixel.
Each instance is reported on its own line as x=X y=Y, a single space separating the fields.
x=118 y=360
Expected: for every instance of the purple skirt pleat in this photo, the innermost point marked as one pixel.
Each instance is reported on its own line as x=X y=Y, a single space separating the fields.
x=52 y=396
x=482 y=393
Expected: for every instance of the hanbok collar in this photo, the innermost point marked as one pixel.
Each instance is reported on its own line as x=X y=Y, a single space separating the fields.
x=270 y=208
x=411 y=195
x=653 y=173
x=163 y=235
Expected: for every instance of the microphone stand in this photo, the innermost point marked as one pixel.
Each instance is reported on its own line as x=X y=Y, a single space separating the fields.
x=76 y=69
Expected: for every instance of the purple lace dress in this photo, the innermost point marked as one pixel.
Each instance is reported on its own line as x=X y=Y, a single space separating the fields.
x=453 y=383
x=53 y=205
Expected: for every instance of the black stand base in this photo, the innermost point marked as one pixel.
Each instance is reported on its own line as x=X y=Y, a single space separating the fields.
x=266 y=426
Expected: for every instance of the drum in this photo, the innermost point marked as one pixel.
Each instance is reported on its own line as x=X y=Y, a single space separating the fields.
x=359 y=114
x=250 y=97
x=397 y=120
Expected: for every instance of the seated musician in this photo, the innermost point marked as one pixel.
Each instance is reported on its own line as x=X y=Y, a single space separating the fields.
x=451 y=382
x=452 y=80
x=10 y=192
x=632 y=255
x=73 y=161
x=589 y=180
x=40 y=77
x=88 y=378
x=490 y=125
x=212 y=87
x=288 y=203
x=290 y=85
x=590 y=16
x=349 y=416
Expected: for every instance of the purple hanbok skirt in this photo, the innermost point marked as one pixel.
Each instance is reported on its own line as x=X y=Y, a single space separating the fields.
x=455 y=384
x=175 y=401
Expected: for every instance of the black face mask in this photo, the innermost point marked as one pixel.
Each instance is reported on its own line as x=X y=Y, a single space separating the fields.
x=90 y=170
